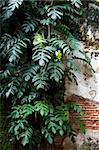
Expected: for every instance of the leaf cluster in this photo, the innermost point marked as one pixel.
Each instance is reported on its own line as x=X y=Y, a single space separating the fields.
x=55 y=120
x=37 y=52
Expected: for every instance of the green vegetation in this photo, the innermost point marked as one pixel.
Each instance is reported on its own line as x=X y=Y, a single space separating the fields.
x=38 y=51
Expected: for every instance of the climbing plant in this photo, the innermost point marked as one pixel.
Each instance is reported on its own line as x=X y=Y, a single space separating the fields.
x=38 y=51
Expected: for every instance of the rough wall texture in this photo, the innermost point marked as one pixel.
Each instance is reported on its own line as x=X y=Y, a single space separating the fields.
x=91 y=112
x=88 y=82
x=87 y=91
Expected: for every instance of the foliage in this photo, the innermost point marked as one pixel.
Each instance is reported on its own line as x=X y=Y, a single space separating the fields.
x=35 y=38
x=55 y=120
x=5 y=141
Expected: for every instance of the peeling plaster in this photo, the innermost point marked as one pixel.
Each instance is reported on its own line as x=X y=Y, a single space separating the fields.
x=88 y=83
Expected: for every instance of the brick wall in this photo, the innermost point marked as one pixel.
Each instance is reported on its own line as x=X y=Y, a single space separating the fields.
x=91 y=112
x=90 y=118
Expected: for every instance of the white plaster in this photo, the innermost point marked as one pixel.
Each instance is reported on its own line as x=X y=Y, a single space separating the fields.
x=81 y=138
x=88 y=88
x=94 y=134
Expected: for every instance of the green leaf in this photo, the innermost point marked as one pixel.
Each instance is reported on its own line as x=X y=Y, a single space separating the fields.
x=46 y=21
x=81 y=124
x=50 y=139
x=11 y=6
x=53 y=130
x=40 y=81
x=77 y=3
x=55 y=12
x=42 y=54
x=41 y=107
x=27 y=78
x=61 y=122
x=25 y=140
x=13 y=47
x=29 y=71
x=61 y=132
x=56 y=70
x=38 y=39
x=29 y=24
x=41 y=112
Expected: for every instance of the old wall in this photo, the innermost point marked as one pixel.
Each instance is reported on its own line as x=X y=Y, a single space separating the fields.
x=88 y=82
x=86 y=93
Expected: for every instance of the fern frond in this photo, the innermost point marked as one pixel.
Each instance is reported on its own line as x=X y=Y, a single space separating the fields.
x=11 y=6
x=55 y=12
x=2 y=3
x=32 y=96
x=72 y=65
x=29 y=71
x=68 y=7
x=12 y=47
x=40 y=81
x=29 y=24
x=42 y=54
x=61 y=113
x=77 y=3
x=60 y=44
x=12 y=87
x=41 y=107
x=4 y=46
x=73 y=42
x=56 y=70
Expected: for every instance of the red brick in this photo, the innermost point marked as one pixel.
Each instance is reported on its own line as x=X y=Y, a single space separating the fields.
x=91 y=112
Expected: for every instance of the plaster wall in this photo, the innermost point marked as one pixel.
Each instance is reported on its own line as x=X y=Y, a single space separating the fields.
x=88 y=81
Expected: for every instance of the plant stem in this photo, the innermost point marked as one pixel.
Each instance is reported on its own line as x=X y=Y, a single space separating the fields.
x=49 y=31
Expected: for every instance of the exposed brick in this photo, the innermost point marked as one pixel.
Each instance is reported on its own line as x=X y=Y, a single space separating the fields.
x=91 y=112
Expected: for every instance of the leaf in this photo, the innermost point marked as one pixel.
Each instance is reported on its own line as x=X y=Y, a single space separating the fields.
x=38 y=39
x=8 y=93
x=29 y=24
x=11 y=6
x=56 y=70
x=25 y=140
x=61 y=45
x=27 y=78
x=77 y=3
x=61 y=122
x=41 y=112
x=81 y=124
x=41 y=107
x=72 y=65
x=42 y=54
x=53 y=130
x=46 y=21
x=29 y=71
x=50 y=139
x=54 y=12
x=13 y=46
x=40 y=81
x=61 y=132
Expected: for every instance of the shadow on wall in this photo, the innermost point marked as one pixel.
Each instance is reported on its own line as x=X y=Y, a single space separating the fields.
x=88 y=81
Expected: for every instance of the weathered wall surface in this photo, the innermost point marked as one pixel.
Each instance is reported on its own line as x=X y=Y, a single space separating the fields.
x=86 y=93
x=91 y=112
x=88 y=82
